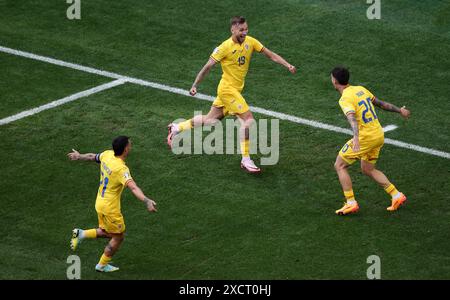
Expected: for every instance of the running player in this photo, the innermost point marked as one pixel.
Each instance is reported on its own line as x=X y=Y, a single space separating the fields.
x=357 y=103
x=114 y=177
x=234 y=55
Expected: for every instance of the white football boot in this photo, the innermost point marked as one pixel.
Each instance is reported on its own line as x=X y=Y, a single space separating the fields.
x=173 y=130
x=248 y=165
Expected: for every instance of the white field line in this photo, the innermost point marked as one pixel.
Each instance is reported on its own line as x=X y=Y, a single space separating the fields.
x=62 y=101
x=417 y=148
x=210 y=98
x=59 y=62
x=390 y=128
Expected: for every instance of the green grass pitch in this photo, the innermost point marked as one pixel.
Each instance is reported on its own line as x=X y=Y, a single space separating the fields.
x=215 y=221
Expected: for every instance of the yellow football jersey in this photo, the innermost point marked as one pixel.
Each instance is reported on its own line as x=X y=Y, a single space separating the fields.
x=235 y=60
x=114 y=175
x=358 y=99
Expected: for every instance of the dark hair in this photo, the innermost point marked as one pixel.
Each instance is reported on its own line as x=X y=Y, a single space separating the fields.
x=237 y=20
x=119 y=144
x=341 y=74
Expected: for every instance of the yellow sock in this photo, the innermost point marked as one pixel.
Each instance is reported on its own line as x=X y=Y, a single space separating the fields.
x=90 y=234
x=349 y=196
x=391 y=190
x=104 y=260
x=185 y=125
x=245 y=148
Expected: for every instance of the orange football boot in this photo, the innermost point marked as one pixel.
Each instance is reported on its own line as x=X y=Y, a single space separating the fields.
x=396 y=203
x=348 y=209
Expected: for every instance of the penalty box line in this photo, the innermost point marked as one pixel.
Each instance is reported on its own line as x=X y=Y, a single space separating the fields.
x=61 y=101
x=179 y=91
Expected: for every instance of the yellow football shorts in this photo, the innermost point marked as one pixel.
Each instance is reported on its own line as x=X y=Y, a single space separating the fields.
x=231 y=101
x=369 y=151
x=111 y=223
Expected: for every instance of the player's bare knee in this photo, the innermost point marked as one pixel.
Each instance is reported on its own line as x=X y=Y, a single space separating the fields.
x=119 y=237
x=249 y=122
x=101 y=232
x=246 y=124
x=215 y=114
x=246 y=117
x=210 y=120
x=367 y=170
x=339 y=165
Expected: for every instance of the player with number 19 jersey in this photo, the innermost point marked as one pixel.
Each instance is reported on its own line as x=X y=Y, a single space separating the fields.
x=235 y=61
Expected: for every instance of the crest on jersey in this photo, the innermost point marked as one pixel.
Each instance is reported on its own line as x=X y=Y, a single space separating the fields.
x=246 y=47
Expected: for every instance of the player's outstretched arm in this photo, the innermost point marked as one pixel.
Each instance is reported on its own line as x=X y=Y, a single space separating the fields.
x=75 y=155
x=137 y=192
x=279 y=60
x=203 y=72
x=391 y=107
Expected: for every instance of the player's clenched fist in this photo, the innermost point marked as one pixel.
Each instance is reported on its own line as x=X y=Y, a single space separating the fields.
x=292 y=69
x=405 y=112
x=193 y=91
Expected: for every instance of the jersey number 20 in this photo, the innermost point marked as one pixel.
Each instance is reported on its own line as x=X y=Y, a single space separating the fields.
x=368 y=106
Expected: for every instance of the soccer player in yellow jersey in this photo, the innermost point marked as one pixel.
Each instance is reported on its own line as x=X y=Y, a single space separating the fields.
x=234 y=55
x=114 y=177
x=357 y=103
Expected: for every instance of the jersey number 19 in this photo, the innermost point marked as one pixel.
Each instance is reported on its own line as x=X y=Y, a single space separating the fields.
x=241 y=60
